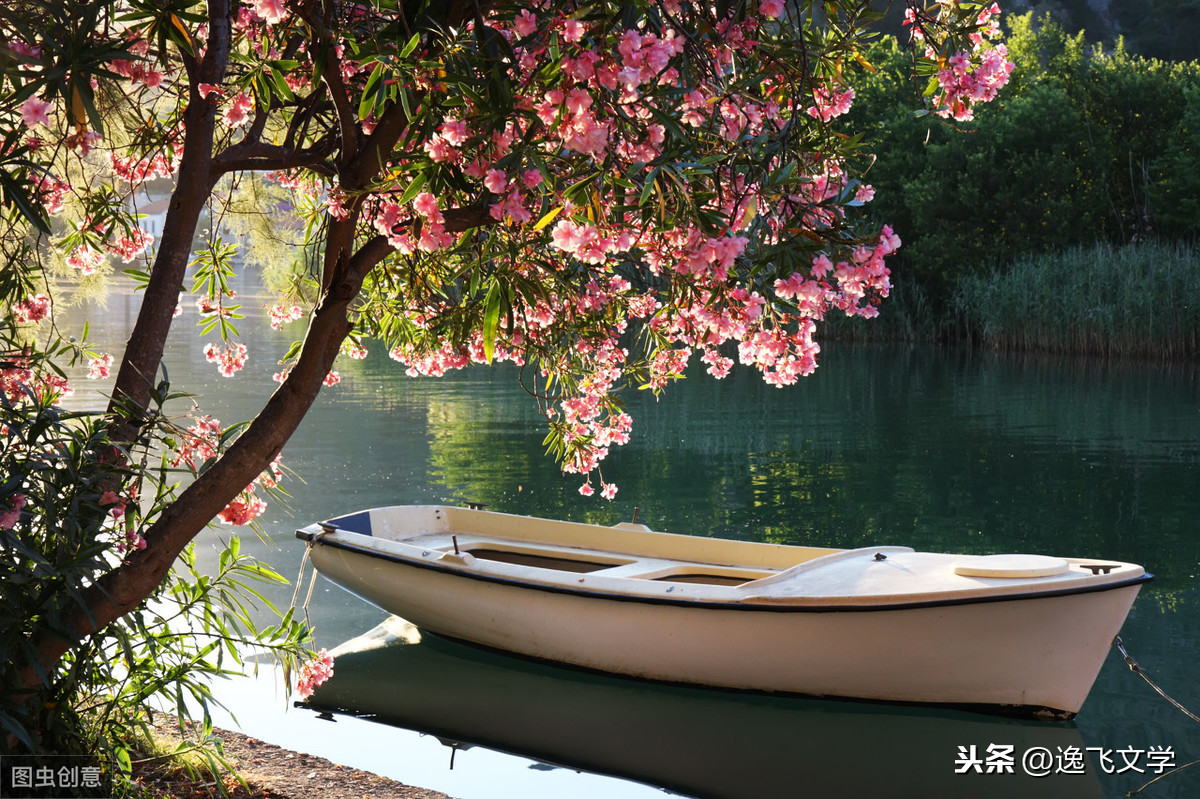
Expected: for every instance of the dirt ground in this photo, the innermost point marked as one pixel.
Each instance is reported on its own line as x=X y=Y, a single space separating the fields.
x=276 y=773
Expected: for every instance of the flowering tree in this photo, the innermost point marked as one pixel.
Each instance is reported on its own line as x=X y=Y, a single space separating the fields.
x=596 y=192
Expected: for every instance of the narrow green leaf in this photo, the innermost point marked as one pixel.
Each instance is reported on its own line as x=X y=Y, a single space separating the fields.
x=412 y=45
x=369 y=95
x=414 y=188
x=491 y=320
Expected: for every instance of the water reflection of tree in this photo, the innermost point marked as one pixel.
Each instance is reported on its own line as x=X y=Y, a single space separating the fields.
x=887 y=445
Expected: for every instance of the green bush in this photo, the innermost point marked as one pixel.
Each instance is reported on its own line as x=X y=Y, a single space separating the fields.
x=1084 y=146
x=61 y=529
x=1115 y=301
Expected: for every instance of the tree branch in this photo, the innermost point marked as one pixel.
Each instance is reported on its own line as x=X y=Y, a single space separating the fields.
x=265 y=157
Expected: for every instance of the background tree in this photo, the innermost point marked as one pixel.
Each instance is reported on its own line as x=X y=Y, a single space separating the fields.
x=596 y=191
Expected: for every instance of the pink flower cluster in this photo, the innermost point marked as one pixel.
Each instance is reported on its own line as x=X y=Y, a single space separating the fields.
x=99 y=367
x=353 y=349
x=313 y=673
x=86 y=259
x=964 y=83
x=280 y=314
x=139 y=169
x=19 y=377
x=35 y=112
x=408 y=232
x=582 y=179
x=138 y=70
x=243 y=509
x=10 y=511
x=829 y=104
x=32 y=309
x=230 y=359
x=129 y=247
x=238 y=112
x=270 y=11
x=200 y=443
x=51 y=192
x=969 y=77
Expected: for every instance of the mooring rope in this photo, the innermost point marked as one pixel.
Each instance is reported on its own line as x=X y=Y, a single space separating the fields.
x=1137 y=669
x=300 y=581
x=300 y=576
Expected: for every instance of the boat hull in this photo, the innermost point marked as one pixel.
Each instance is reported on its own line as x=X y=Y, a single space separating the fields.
x=1032 y=654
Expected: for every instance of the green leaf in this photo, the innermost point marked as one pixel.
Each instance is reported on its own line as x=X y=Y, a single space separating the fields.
x=412 y=45
x=491 y=320
x=414 y=188
x=15 y=192
x=370 y=92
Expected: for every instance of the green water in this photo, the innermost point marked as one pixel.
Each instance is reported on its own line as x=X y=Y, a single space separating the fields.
x=942 y=450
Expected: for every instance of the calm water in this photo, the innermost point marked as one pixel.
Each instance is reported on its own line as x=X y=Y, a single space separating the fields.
x=941 y=450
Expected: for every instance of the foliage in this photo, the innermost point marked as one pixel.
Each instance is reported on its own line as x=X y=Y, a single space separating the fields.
x=71 y=512
x=1087 y=145
x=1133 y=300
x=594 y=191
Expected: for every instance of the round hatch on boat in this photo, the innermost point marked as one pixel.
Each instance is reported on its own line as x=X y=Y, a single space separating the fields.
x=1012 y=566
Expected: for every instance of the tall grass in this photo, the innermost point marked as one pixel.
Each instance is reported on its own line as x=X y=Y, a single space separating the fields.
x=1141 y=299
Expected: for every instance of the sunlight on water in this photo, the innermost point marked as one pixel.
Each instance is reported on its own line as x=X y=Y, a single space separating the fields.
x=941 y=450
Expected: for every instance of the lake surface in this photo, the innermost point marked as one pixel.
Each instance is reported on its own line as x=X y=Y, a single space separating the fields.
x=936 y=449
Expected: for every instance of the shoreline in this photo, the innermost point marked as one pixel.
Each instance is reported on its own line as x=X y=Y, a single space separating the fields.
x=274 y=772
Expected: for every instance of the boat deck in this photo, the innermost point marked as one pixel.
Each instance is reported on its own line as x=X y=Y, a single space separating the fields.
x=631 y=561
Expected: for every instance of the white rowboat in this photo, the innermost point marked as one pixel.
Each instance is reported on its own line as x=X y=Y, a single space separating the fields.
x=1016 y=633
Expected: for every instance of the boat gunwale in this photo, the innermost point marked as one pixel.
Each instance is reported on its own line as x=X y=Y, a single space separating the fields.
x=318 y=536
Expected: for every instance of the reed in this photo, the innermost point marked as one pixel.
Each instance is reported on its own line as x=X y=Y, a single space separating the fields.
x=1141 y=299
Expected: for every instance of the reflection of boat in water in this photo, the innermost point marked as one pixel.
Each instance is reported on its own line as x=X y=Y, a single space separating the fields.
x=696 y=742
x=1013 y=632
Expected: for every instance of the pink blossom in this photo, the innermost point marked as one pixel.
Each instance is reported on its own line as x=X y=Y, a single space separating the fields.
x=129 y=247
x=771 y=8
x=573 y=30
x=272 y=11
x=354 y=349
x=314 y=673
x=118 y=505
x=830 y=104
x=99 y=367
x=29 y=51
x=34 y=112
x=32 y=309
x=199 y=443
x=279 y=314
x=821 y=266
x=245 y=508
x=454 y=131
x=238 y=112
x=10 y=517
x=524 y=23
x=608 y=490
x=230 y=360
x=587 y=490
x=51 y=192
x=426 y=205
x=273 y=474
x=85 y=259
x=332 y=379
x=495 y=181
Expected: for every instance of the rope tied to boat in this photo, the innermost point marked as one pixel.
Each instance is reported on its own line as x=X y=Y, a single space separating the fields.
x=304 y=565
x=1137 y=669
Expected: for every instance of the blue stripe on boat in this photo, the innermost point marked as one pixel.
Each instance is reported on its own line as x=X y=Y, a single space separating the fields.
x=354 y=523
